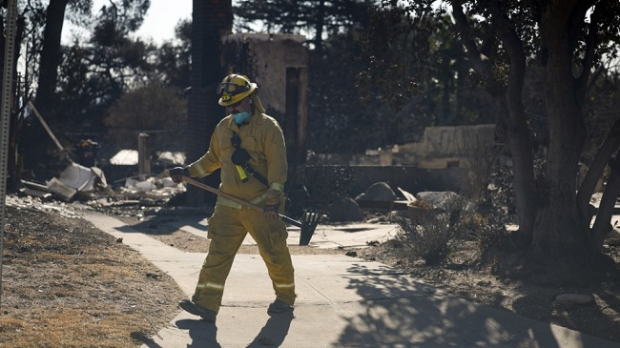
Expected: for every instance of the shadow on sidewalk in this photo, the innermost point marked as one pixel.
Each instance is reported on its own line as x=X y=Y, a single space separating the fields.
x=166 y=224
x=202 y=333
x=274 y=332
x=400 y=311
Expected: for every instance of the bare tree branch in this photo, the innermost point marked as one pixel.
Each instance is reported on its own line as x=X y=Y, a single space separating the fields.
x=482 y=65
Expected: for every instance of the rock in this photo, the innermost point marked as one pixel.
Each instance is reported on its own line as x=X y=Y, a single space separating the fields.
x=613 y=237
x=345 y=209
x=582 y=299
x=436 y=198
x=379 y=191
x=153 y=275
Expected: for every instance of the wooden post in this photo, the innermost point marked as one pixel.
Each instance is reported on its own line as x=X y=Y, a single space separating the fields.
x=5 y=116
x=144 y=155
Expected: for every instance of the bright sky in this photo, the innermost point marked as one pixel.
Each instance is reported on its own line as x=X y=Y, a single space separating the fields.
x=160 y=20
x=162 y=17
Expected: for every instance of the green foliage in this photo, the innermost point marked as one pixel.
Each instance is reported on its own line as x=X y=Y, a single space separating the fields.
x=126 y=15
x=93 y=73
x=416 y=64
x=154 y=109
x=337 y=121
x=317 y=17
x=96 y=73
x=94 y=76
x=341 y=120
x=174 y=58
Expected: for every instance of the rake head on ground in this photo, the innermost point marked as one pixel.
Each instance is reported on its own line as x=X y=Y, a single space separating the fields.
x=309 y=221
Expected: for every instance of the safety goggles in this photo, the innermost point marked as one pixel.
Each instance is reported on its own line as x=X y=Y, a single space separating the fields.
x=231 y=88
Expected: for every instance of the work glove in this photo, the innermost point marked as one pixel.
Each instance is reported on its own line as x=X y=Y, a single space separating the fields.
x=177 y=173
x=272 y=204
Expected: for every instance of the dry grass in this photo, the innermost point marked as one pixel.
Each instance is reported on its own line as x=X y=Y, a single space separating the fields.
x=67 y=284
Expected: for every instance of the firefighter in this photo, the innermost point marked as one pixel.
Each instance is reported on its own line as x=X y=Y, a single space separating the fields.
x=247 y=135
x=87 y=152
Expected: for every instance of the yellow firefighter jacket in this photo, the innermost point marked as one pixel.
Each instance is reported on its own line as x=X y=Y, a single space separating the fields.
x=262 y=137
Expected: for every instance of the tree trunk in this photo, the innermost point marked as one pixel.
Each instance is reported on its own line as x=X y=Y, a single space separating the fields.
x=211 y=20
x=595 y=171
x=558 y=234
x=518 y=132
x=13 y=166
x=34 y=141
x=50 y=54
x=523 y=164
x=320 y=22
x=602 y=224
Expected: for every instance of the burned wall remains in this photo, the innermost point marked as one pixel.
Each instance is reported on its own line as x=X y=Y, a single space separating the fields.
x=279 y=65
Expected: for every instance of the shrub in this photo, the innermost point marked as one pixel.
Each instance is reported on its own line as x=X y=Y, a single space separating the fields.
x=434 y=239
x=430 y=241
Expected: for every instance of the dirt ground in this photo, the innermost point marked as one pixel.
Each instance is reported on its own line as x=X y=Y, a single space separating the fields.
x=463 y=278
x=67 y=284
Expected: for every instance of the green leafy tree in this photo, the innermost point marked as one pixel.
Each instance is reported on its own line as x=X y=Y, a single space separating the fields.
x=320 y=18
x=565 y=41
x=419 y=67
x=359 y=96
x=114 y=20
x=59 y=96
x=42 y=23
x=174 y=57
x=50 y=55
x=153 y=109
x=95 y=74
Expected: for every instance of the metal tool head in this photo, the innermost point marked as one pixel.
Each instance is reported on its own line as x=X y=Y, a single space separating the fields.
x=309 y=222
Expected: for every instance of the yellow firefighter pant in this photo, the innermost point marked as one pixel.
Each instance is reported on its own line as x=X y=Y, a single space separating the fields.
x=227 y=229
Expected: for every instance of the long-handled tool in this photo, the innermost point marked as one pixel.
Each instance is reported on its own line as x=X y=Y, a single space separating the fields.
x=308 y=224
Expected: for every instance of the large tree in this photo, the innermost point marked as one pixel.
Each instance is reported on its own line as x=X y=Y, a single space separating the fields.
x=62 y=73
x=51 y=49
x=319 y=18
x=345 y=76
x=153 y=109
x=174 y=57
x=210 y=21
x=566 y=41
x=126 y=15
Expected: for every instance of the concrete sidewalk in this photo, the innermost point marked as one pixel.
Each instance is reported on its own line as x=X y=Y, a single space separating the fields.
x=342 y=302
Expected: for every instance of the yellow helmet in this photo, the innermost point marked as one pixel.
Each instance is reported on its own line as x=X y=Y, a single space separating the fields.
x=234 y=88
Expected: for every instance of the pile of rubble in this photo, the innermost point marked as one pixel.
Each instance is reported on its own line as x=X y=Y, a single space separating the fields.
x=78 y=187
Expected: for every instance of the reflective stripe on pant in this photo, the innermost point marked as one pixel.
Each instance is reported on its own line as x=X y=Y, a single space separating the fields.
x=227 y=229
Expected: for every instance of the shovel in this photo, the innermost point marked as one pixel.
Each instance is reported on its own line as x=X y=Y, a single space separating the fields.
x=308 y=224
